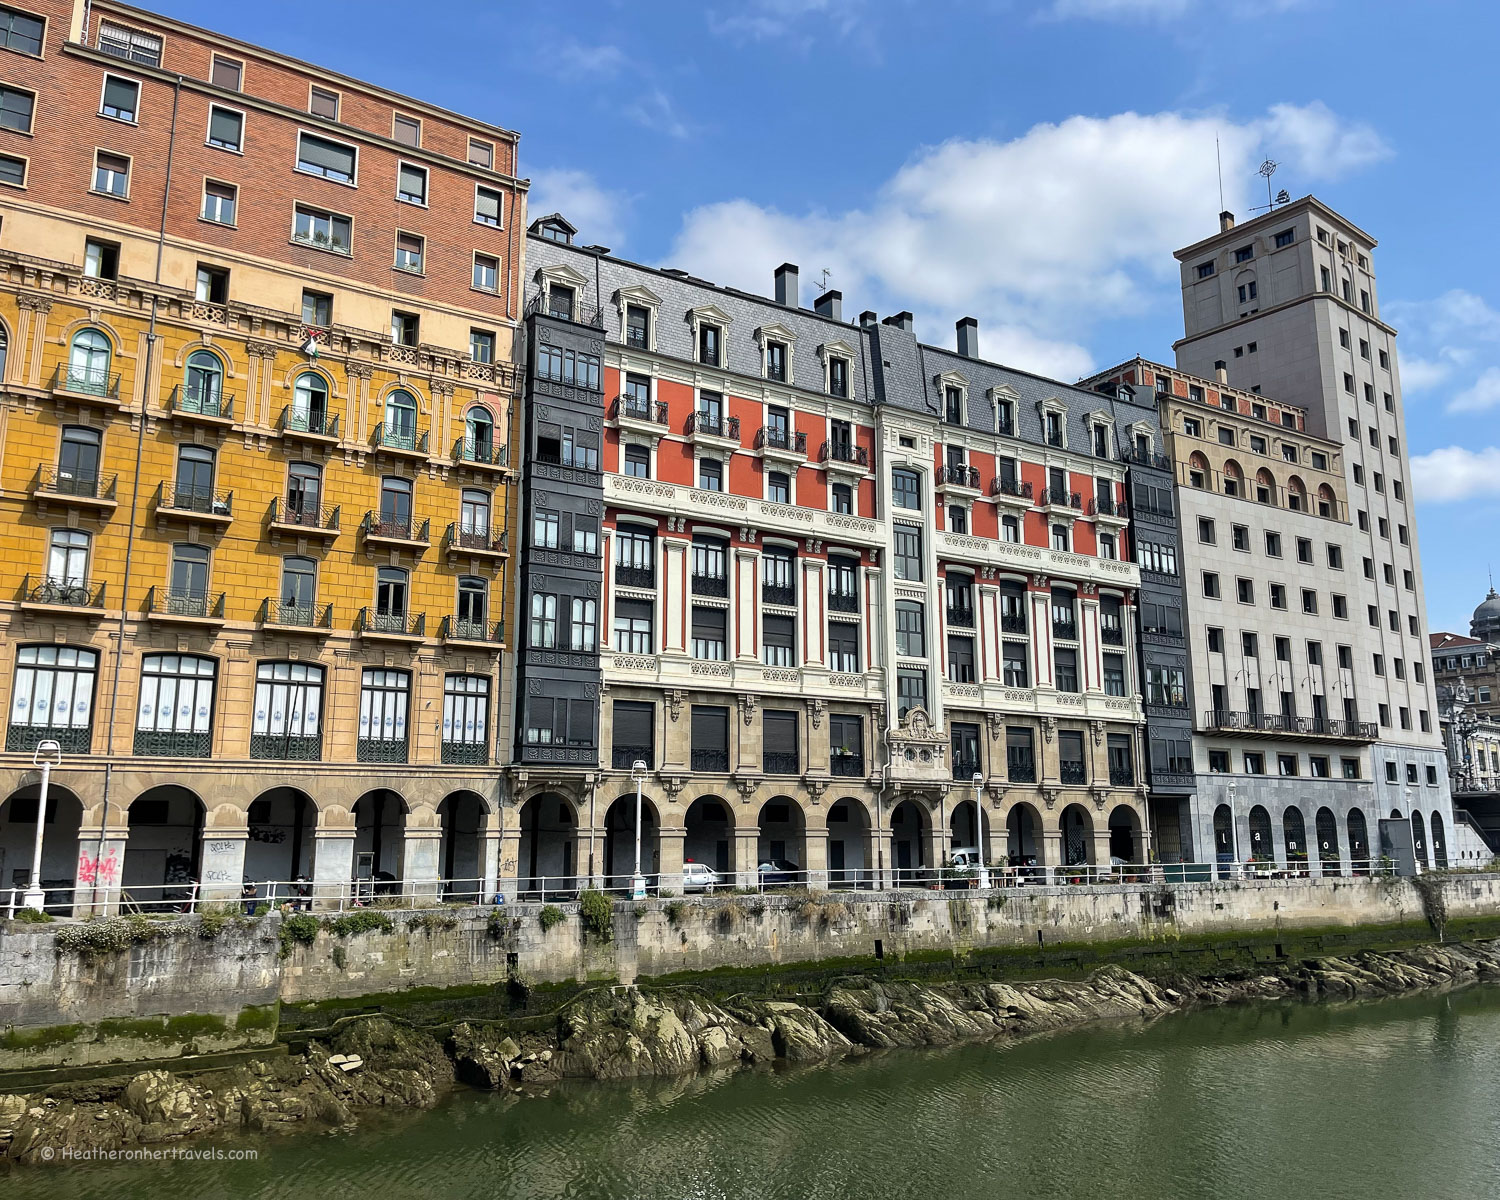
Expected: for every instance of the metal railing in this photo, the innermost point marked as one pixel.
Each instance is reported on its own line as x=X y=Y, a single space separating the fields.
x=465 y=754
x=961 y=476
x=295 y=616
x=769 y=437
x=780 y=762
x=838 y=452
x=1112 y=635
x=304 y=516
x=636 y=577
x=63 y=592
x=1099 y=506
x=964 y=769
x=1121 y=776
x=56 y=481
x=576 y=312
x=623 y=758
x=783 y=594
x=1020 y=768
x=382 y=750
x=170 y=743
x=711 y=585
x=201 y=402
x=1145 y=458
x=395 y=529
x=456 y=628
x=961 y=616
x=846 y=765
x=1066 y=631
x=204 y=501
x=638 y=410
x=482 y=451
x=456 y=537
x=707 y=425
x=399 y=624
x=845 y=602
x=315 y=423
x=1072 y=772
x=1012 y=622
x=409 y=440
x=1000 y=486
x=1252 y=722
x=1060 y=499
x=286 y=747
x=164 y=602
x=709 y=760
x=74 y=739
x=86 y=381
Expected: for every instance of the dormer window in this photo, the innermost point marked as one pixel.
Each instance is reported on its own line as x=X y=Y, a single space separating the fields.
x=953 y=405
x=1005 y=417
x=1053 y=426
x=560 y=302
x=776 y=358
x=637 y=327
x=1100 y=435
x=838 y=376
x=710 y=338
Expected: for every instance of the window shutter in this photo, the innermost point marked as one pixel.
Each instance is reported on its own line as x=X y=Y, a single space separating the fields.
x=710 y=728
x=487 y=206
x=634 y=723
x=413 y=182
x=120 y=94
x=780 y=732
x=328 y=155
x=224 y=126
x=408 y=131
x=226 y=74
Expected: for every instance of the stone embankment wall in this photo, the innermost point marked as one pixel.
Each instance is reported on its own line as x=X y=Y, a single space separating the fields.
x=192 y=994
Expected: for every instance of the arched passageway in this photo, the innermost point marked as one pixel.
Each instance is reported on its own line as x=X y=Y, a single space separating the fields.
x=461 y=854
x=379 y=852
x=1419 y=840
x=548 y=854
x=161 y=869
x=619 y=843
x=1125 y=836
x=1294 y=834
x=1262 y=848
x=710 y=836
x=1439 y=843
x=1359 y=842
x=911 y=837
x=1077 y=829
x=850 y=857
x=781 y=843
x=18 y=813
x=1224 y=848
x=1330 y=857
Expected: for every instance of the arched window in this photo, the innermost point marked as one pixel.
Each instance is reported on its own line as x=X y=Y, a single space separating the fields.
x=1198 y=470
x=4 y=350
x=1265 y=487
x=401 y=419
x=288 y=711
x=176 y=708
x=88 y=363
x=53 y=697
x=1234 y=479
x=309 y=403
x=1327 y=502
x=1296 y=494
x=203 y=390
x=479 y=435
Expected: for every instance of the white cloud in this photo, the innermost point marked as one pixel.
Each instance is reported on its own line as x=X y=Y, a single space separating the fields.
x=1161 y=10
x=654 y=110
x=765 y=20
x=1423 y=374
x=1038 y=237
x=1456 y=473
x=597 y=212
x=603 y=60
x=1484 y=394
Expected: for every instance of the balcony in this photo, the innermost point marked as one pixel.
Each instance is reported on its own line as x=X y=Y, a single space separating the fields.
x=573 y=311
x=713 y=761
x=24 y=739
x=783 y=594
x=381 y=750
x=207 y=407
x=167 y=607
x=168 y=743
x=391 y=627
x=956 y=478
x=476 y=542
x=1054 y=498
x=1065 y=631
x=961 y=616
x=194 y=506
x=634 y=577
x=396 y=531
x=840 y=458
x=843 y=602
x=1112 y=635
x=1020 y=767
x=62 y=597
x=1109 y=510
x=1013 y=622
x=313 y=428
x=641 y=416
x=285 y=747
x=481 y=455
x=302 y=521
x=1145 y=458
x=466 y=754
x=964 y=770
x=399 y=443
x=720 y=433
x=711 y=585
x=87 y=385
x=846 y=764
x=776 y=442
x=623 y=758
x=1122 y=774
x=465 y=631
x=68 y=488
x=287 y=617
x=781 y=762
x=1284 y=725
x=1010 y=491
x=1072 y=772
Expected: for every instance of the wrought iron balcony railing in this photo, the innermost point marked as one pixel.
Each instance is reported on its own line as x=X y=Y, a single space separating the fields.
x=466 y=754
x=1012 y=622
x=573 y=311
x=168 y=743
x=1100 y=506
x=783 y=594
x=481 y=451
x=86 y=381
x=201 y=402
x=381 y=750
x=707 y=425
x=711 y=585
x=844 y=764
x=1066 y=631
x=399 y=438
x=960 y=475
x=709 y=760
x=623 y=758
x=64 y=481
x=397 y=624
x=1145 y=458
x=286 y=747
x=961 y=616
x=1122 y=774
x=636 y=577
x=304 y=516
x=396 y=529
x=1061 y=499
x=205 y=501
x=780 y=762
x=165 y=602
x=1020 y=767
x=840 y=452
x=476 y=537
x=1284 y=723
x=1112 y=635
x=314 y=423
x=845 y=602
x=635 y=409
x=1000 y=486
x=964 y=770
x=64 y=593
x=290 y=614
x=771 y=437
x=74 y=739
x=1072 y=772
x=457 y=628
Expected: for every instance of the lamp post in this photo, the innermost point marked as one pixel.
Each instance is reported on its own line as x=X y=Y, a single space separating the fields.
x=47 y=755
x=984 y=871
x=638 y=883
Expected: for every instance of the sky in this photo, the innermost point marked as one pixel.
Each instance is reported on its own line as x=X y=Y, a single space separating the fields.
x=1032 y=163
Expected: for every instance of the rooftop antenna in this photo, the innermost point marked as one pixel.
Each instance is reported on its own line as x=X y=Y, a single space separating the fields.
x=1219 y=162
x=823 y=282
x=1267 y=169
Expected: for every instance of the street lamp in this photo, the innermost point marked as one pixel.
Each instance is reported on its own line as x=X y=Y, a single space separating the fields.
x=984 y=871
x=638 y=883
x=47 y=755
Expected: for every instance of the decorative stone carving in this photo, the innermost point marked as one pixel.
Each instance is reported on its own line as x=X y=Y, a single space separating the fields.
x=747 y=708
x=1098 y=730
x=1049 y=796
x=817 y=707
x=747 y=534
x=1049 y=727
x=674 y=700
x=747 y=786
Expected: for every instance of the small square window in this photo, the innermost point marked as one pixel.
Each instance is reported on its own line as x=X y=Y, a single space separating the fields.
x=317 y=309
x=487 y=207
x=481 y=154
x=16 y=109
x=219 y=202
x=121 y=99
x=411 y=184
x=486 y=272
x=112 y=174
x=226 y=73
x=482 y=345
x=323 y=103
x=409 y=252
x=12 y=170
x=406 y=130
x=226 y=128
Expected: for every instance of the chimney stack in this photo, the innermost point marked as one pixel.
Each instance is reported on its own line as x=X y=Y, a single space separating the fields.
x=1226 y=221
x=868 y=317
x=902 y=321
x=968 y=337
x=786 y=285
x=1221 y=371
x=830 y=304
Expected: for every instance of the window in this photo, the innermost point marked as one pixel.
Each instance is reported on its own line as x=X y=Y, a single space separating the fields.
x=390 y=598
x=1211 y=585
x=226 y=128
x=1215 y=640
x=1278 y=595
x=1245 y=591
x=1065 y=661
x=560 y=302
x=1206 y=533
x=778 y=639
x=323 y=230
x=710 y=475
x=1273 y=544
x=1247 y=292
x=709 y=344
x=708 y=633
x=323 y=103
x=331 y=160
x=776 y=354
x=121 y=99
x=911 y=640
x=638 y=461
x=1166 y=686
x=405 y=328
x=843 y=646
x=1060 y=537
x=481 y=345
x=68 y=559
x=409 y=253
x=543 y=621
x=481 y=154
x=1309 y=601
x=911 y=691
x=1114 y=675
x=12 y=170
x=1244 y=254
x=486 y=272
x=317 y=309
x=53 y=697
x=288 y=711
x=1240 y=535
x=411 y=184
x=838 y=376
x=842 y=498
x=187 y=593
x=1052 y=429
x=778 y=487
x=219 y=202
x=383 y=701
x=906 y=489
x=907 y=547
x=1205 y=270
x=111 y=171
x=20 y=31
x=634 y=626
x=583 y=624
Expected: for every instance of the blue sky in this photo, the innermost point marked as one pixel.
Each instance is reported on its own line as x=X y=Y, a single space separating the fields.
x=1029 y=162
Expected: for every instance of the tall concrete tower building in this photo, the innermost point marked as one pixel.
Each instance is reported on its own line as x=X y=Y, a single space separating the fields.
x=1287 y=306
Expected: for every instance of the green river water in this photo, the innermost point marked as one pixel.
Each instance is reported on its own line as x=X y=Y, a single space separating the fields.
x=1397 y=1098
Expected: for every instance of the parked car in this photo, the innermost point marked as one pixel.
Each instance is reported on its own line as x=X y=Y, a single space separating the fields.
x=699 y=877
x=777 y=872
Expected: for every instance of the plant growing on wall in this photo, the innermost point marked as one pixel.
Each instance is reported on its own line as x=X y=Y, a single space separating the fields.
x=298 y=929
x=549 y=916
x=598 y=913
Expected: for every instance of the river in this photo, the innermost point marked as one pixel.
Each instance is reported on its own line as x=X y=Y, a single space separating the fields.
x=1396 y=1098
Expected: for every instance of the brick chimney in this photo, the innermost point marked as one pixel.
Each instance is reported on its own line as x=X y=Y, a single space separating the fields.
x=1226 y=221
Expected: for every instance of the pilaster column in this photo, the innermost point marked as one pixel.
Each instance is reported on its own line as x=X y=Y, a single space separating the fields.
x=99 y=869
x=674 y=588
x=744 y=608
x=746 y=856
x=1039 y=599
x=1092 y=665
x=507 y=883
x=813 y=615
x=816 y=866
x=489 y=858
x=419 y=861
x=671 y=842
x=222 y=873
x=1101 y=839
x=333 y=866
x=987 y=620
